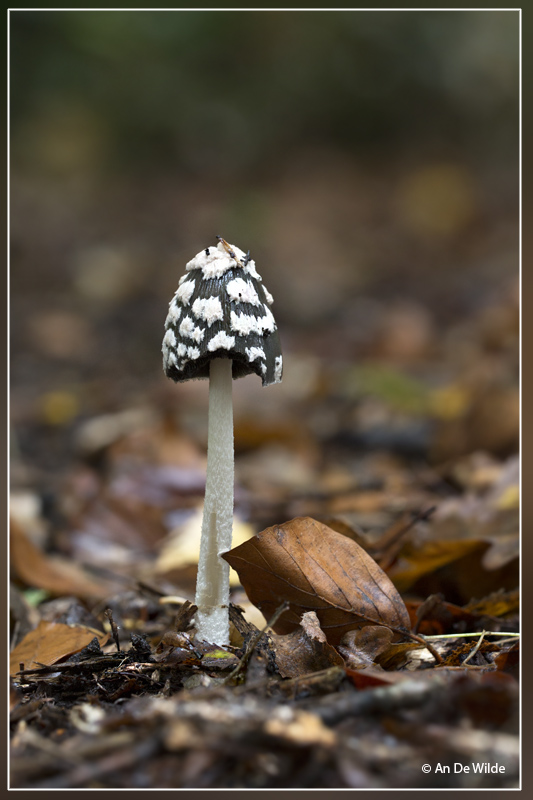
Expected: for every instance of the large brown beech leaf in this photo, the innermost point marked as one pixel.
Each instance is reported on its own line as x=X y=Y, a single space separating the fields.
x=315 y=568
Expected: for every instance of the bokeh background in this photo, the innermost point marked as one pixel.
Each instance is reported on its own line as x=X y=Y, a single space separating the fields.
x=369 y=160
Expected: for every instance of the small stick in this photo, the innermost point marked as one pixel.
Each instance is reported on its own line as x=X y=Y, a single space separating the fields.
x=114 y=628
x=466 y=635
x=416 y=637
x=506 y=641
x=474 y=649
x=253 y=643
x=382 y=547
x=232 y=254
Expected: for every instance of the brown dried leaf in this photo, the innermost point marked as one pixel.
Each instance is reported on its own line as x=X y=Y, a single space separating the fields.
x=316 y=569
x=184 y=616
x=508 y=660
x=424 y=558
x=497 y=604
x=360 y=648
x=57 y=575
x=304 y=650
x=398 y=654
x=50 y=642
x=436 y=616
x=370 y=677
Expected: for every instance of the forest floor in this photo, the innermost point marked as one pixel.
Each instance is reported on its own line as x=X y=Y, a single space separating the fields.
x=390 y=449
x=110 y=688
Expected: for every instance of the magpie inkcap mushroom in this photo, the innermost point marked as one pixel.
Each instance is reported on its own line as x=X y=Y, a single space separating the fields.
x=219 y=326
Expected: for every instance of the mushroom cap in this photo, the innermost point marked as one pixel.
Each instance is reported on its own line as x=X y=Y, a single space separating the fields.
x=221 y=310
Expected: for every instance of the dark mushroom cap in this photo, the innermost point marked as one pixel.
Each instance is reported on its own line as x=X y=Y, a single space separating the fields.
x=221 y=310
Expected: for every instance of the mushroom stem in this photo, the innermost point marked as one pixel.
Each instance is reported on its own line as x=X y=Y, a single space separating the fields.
x=212 y=585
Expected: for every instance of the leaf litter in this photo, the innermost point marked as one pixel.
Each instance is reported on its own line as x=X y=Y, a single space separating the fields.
x=337 y=665
x=373 y=534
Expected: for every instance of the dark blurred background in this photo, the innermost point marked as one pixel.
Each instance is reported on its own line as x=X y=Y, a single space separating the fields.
x=369 y=161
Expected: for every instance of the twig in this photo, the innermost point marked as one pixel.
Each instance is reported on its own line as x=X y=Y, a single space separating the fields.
x=506 y=641
x=382 y=548
x=465 y=635
x=114 y=629
x=253 y=643
x=417 y=637
x=474 y=649
x=423 y=640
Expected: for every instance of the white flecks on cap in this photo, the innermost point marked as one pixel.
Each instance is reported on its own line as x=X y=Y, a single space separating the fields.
x=221 y=342
x=251 y=270
x=174 y=313
x=216 y=261
x=268 y=323
x=182 y=350
x=218 y=266
x=193 y=352
x=245 y=324
x=242 y=292
x=185 y=291
x=170 y=338
x=278 y=369
x=169 y=357
x=268 y=296
x=213 y=263
x=201 y=259
x=190 y=330
x=255 y=352
x=209 y=309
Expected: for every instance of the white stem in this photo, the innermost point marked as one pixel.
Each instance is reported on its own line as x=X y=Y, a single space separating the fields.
x=212 y=585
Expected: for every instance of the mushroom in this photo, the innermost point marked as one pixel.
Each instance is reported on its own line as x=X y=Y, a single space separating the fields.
x=219 y=326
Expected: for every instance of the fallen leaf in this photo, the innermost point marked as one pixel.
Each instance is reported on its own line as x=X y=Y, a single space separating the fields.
x=399 y=655
x=370 y=677
x=361 y=647
x=351 y=531
x=437 y=616
x=497 y=604
x=509 y=660
x=55 y=574
x=316 y=569
x=423 y=558
x=304 y=650
x=51 y=642
x=184 y=616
